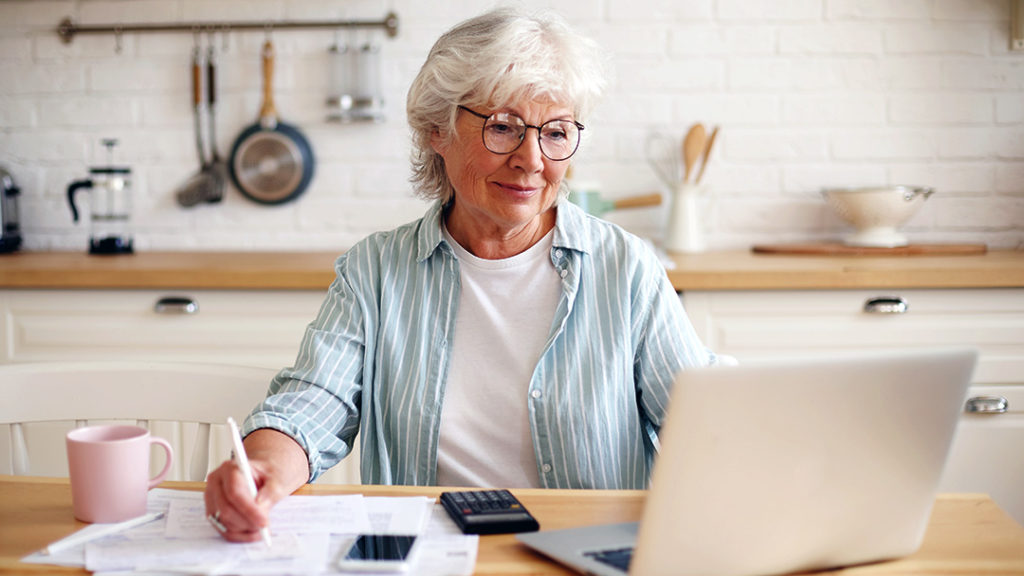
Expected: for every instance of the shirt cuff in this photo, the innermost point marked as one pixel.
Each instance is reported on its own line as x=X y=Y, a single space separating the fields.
x=260 y=420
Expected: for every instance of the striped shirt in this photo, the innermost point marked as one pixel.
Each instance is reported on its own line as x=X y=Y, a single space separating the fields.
x=376 y=358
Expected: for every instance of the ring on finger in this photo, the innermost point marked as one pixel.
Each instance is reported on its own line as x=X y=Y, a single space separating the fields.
x=217 y=524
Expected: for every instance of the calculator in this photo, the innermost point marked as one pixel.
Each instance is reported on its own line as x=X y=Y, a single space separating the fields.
x=488 y=512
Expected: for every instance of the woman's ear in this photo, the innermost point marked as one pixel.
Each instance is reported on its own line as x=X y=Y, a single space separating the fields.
x=438 y=142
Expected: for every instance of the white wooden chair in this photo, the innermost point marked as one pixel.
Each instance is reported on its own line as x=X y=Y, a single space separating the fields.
x=144 y=392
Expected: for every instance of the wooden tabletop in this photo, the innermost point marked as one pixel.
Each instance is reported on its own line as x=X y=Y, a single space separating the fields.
x=729 y=270
x=967 y=534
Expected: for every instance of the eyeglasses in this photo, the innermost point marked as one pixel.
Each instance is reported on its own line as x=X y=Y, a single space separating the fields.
x=503 y=133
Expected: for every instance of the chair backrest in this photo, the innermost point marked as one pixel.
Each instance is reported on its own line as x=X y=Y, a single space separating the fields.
x=144 y=392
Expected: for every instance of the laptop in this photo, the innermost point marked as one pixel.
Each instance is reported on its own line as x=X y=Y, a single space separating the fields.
x=786 y=466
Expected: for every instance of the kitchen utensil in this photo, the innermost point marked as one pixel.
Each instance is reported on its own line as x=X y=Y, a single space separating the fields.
x=200 y=185
x=339 y=81
x=355 y=93
x=10 y=234
x=217 y=167
x=110 y=206
x=663 y=157
x=876 y=212
x=693 y=147
x=706 y=154
x=271 y=162
x=592 y=202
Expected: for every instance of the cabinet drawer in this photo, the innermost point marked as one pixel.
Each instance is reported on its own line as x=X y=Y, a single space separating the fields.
x=249 y=327
x=986 y=452
x=768 y=324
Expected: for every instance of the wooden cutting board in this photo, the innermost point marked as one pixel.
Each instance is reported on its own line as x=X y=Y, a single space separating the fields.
x=837 y=249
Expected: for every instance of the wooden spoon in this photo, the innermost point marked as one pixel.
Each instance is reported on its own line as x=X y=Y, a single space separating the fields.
x=693 y=147
x=706 y=154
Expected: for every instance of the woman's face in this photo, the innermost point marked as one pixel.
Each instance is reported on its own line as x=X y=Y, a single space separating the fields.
x=501 y=194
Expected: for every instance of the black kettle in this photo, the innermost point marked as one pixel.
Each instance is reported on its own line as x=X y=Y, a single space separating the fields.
x=10 y=235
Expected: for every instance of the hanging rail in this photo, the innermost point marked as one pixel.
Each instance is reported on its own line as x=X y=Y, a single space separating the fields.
x=67 y=29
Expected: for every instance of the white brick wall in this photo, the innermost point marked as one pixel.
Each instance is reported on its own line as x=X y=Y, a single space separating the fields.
x=808 y=93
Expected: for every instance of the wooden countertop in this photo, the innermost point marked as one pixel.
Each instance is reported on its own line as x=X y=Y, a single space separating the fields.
x=742 y=270
x=966 y=534
x=727 y=270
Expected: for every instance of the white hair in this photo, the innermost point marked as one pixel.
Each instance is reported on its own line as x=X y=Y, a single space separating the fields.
x=499 y=58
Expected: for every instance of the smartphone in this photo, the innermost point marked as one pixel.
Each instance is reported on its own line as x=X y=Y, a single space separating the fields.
x=379 y=553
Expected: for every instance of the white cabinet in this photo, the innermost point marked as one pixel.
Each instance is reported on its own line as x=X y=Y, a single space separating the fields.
x=260 y=328
x=247 y=327
x=988 y=453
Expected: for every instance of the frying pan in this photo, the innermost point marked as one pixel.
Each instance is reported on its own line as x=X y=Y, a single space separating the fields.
x=271 y=162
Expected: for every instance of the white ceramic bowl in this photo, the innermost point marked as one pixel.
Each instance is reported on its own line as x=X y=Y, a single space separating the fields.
x=876 y=213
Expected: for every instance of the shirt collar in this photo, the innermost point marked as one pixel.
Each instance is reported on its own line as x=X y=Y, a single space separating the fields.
x=570 y=229
x=429 y=236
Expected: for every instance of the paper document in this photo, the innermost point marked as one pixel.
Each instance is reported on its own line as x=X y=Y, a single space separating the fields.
x=308 y=534
x=306 y=514
x=397 y=515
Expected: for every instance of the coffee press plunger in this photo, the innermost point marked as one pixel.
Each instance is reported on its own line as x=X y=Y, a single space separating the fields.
x=109 y=207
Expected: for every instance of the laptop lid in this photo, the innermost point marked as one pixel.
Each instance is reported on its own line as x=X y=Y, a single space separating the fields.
x=790 y=466
x=785 y=466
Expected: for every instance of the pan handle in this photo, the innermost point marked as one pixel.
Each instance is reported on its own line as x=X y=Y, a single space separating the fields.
x=268 y=113
x=211 y=77
x=197 y=82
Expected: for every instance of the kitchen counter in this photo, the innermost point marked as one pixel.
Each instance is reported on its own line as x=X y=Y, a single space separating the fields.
x=726 y=270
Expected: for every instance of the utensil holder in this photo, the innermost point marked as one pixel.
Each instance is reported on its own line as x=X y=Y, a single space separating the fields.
x=685 y=226
x=355 y=93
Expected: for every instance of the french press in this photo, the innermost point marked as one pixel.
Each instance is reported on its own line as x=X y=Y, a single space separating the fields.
x=109 y=208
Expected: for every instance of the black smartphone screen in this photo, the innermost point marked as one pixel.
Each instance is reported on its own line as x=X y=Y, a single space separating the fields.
x=379 y=547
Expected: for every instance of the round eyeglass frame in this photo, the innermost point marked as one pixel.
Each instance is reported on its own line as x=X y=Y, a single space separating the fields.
x=540 y=143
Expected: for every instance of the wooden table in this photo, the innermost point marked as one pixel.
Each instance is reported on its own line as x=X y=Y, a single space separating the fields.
x=968 y=534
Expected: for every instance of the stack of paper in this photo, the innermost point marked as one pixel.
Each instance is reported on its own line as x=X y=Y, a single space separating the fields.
x=309 y=532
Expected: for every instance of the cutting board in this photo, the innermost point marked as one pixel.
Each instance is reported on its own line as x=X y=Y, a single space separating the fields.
x=837 y=249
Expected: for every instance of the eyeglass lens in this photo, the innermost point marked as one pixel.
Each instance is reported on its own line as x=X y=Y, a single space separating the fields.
x=504 y=132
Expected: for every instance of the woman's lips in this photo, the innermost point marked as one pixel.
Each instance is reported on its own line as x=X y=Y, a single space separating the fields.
x=518 y=189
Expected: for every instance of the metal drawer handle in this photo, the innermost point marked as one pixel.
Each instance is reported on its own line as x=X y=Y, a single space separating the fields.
x=176 y=305
x=886 y=305
x=987 y=405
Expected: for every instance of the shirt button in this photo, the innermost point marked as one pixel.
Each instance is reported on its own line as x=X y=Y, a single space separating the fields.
x=535 y=394
x=546 y=468
x=563 y=272
x=559 y=253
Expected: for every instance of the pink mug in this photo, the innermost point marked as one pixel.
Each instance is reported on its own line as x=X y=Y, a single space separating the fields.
x=109 y=469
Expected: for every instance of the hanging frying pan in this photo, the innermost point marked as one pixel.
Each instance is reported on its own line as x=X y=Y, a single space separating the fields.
x=271 y=162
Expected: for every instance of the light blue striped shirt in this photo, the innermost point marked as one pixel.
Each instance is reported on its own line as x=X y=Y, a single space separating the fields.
x=375 y=359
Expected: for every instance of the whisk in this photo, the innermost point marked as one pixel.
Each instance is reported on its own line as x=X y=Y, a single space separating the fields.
x=663 y=156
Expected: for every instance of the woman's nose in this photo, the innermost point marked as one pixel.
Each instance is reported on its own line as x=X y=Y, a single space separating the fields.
x=528 y=156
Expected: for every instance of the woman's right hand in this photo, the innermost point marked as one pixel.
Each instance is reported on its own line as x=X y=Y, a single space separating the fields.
x=279 y=467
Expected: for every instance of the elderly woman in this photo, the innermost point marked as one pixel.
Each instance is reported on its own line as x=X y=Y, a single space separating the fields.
x=504 y=339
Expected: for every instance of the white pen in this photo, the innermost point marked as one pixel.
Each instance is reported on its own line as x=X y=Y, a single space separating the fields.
x=243 y=463
x=78 y=538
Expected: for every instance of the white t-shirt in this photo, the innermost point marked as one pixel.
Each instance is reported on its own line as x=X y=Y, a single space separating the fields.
x=506 y=308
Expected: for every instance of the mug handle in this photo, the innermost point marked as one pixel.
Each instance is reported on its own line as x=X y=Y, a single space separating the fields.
x=167 y=466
